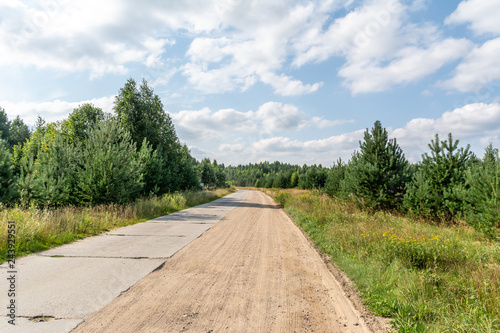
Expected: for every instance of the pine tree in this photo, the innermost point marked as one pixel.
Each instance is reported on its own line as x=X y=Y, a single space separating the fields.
x=8 y=182
x=483 y=194
x=111 y=170
x=19 y=132
x=378 y=174
x=443 y=173
x=336 y=175
x=54 y=173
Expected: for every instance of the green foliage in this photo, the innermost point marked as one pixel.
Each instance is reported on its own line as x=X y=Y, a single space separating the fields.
x=140 y=111
x=294 y=180
x=314 y=177
x=212 y=175
x=282 y=198
x=483 y=196
x=207 y=173
x=153 y=168
x=54 y=173
x=335 y=179
x=436 y=189
x=110 y=169
x=44 y=165
x=269 y=175
x=19 y=132
x=81 y=121
x=8 y=181
x=189 y=177
x=4 y=125
x=378 y=174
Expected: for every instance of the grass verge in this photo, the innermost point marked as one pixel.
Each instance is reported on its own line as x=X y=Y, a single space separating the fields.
x=428 y=278
x=40 y=229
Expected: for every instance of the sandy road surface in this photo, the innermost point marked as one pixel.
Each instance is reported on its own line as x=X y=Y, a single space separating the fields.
x=254 y=271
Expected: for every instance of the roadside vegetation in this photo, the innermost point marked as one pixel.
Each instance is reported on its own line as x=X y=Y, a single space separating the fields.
x=428 y=277
x=450 y=185
x=40 y=229
x=94 y=171
x=96 y=158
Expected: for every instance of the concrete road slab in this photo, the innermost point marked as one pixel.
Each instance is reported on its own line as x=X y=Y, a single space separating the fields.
x=72 y=287
x=113 y=246
x=24 y=325
x=187 y=217
x=71 y=281
x=162 y=229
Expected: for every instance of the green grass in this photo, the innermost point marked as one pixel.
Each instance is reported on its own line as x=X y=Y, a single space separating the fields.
x=40 y=229
x=427 y=277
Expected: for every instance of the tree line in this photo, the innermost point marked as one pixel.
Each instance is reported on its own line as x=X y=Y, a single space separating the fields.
x=94 y=157
x=449 y=184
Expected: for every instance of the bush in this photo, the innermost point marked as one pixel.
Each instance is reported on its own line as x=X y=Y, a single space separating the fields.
x=282 y=198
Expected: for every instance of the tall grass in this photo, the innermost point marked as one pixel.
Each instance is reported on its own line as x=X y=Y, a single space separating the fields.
x=40 y=229
x=427 y=277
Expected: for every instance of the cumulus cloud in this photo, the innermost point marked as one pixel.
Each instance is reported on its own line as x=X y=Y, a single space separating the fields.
x=323 y=151
x=410 y=64
x=263 y=40
x=256 y=49
x=78 y=36
x=480 y=67
x=51 y=111
x=323 y=123
x=270 y=118
x=481 y=16
x=382 y=49
x=477 y=121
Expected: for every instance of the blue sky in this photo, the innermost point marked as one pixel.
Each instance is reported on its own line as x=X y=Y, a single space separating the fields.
x=248 y=81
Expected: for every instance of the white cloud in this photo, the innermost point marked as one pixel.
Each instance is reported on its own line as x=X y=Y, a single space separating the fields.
x=477 y=121
x=288 y=86
x=270 y=118
x=205 y=125
x=81 y=36
x=481 y=16
x=255 y=49
x=285 y=149
x=480 y=67
x=382 y=49
x=409 y=64
x=323 y=123
x=279 y=117
x=51 y=111
x=263 y=41
x=365 y=32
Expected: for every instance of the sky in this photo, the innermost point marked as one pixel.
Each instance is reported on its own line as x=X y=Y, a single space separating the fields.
x=258 y=80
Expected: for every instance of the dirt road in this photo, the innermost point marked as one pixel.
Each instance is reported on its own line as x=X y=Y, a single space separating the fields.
x=254 y=271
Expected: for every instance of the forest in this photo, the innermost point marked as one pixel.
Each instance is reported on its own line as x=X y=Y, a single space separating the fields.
x=450 y=184
x=93 y=157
